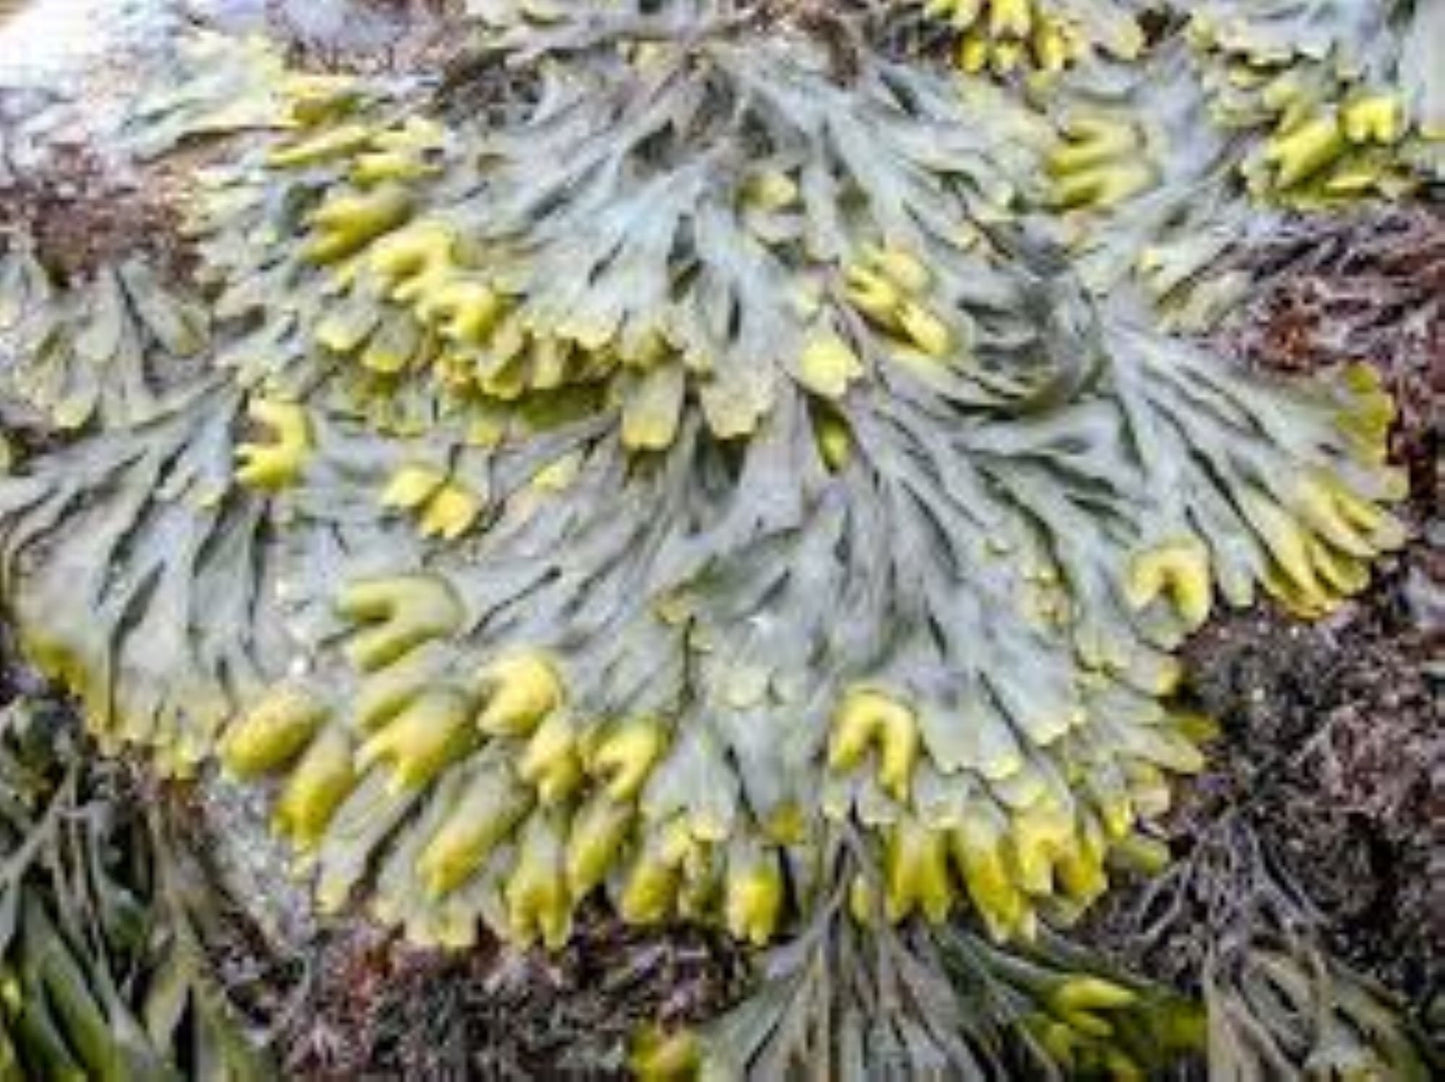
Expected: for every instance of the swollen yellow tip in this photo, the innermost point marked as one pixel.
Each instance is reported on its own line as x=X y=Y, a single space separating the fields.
x=1177 y=569
x=274 y=731
x=278 y=464
x=868 y=718
x=625 y=756
x=519 y=690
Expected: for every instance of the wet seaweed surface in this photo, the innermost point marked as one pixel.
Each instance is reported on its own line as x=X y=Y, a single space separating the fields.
x=1331 y=755
x=1331 y=759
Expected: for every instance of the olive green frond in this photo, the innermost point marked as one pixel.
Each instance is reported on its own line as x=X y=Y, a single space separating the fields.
x=216 y=85
x=660 y=707
x=1281 y=30
x=130 y=562
x=1289 y=1008
x=1276 y=1003
x=1145 y=188
x=109 y=350
x=1161 y=170
x=853 y=999
x=691 y=458
x=1351 y=104
x=686 y=257
x=705 y=452
x=1003 y=36
x=103 y=968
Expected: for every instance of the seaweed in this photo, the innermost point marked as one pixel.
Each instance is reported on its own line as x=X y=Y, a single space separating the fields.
x=694 y=458
x=104 y=923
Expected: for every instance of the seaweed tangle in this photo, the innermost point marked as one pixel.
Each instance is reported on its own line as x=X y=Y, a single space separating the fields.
x=104 y=925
